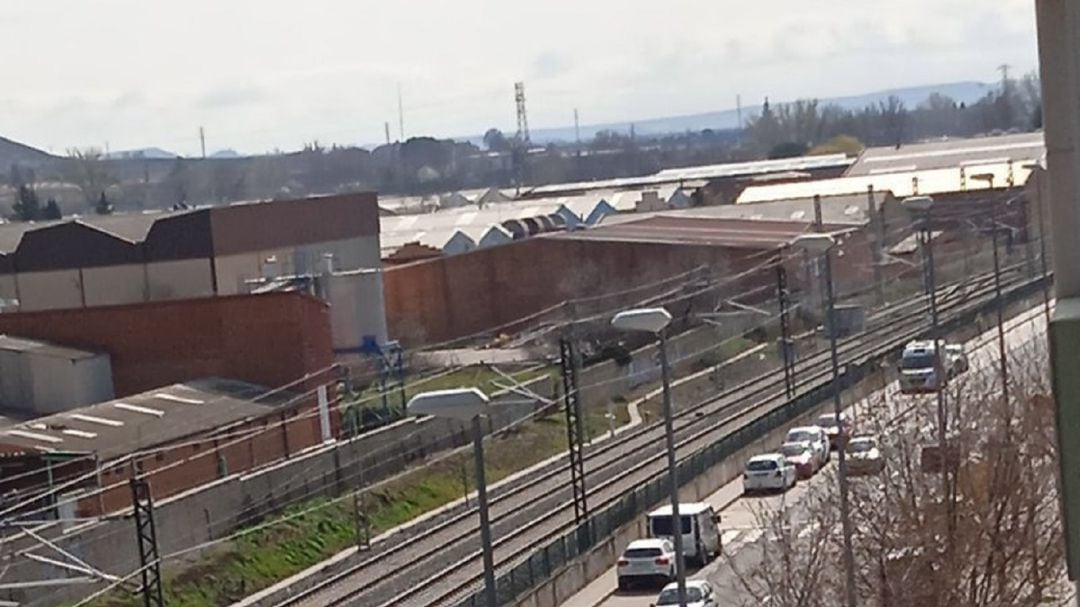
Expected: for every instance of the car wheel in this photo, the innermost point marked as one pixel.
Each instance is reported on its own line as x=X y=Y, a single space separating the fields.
x=622 y=585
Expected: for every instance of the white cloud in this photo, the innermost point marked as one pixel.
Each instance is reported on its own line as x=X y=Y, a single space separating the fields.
x=260 y=74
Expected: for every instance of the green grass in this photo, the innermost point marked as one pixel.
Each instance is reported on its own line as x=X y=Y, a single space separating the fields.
x=259 y=559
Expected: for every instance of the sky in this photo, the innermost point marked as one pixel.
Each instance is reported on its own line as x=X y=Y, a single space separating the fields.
x=260 y=75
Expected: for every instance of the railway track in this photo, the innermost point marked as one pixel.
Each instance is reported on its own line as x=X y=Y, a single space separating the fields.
x=440 y=565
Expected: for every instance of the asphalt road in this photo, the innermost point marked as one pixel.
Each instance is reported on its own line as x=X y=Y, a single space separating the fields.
x=740 y=531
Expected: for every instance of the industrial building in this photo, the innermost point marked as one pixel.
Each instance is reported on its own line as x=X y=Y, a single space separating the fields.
x=451 y=297
x=38 y=378
x=225 y=426
x=132 y=258
x=268 y=339
x=1018 y=149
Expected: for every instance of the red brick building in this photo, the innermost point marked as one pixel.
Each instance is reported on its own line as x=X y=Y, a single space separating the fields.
x=269 y=339
x=452 y=297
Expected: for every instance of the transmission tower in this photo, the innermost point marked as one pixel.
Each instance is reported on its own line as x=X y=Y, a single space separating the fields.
x=522 y=116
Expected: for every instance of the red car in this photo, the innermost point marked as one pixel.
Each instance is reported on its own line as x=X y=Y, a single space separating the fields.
x=803 y=457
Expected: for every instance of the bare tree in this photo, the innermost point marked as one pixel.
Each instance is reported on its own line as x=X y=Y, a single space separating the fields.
x=979 y=530
x=88 y=169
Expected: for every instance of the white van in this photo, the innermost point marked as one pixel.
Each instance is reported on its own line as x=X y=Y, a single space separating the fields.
x=701 y=536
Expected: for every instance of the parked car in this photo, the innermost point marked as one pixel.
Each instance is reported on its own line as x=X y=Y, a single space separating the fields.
x=769 y=472
x=701 y=535
x=815 y=435
x=864 y=456
x=921 y=370
x=803 y=457
x=646 y=561
x=699 y=593
x=838 y=430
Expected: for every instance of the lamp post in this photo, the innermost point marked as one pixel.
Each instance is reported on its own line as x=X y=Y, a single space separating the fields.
x=999 y=301
x=466 y=405
x=655 y=321
x=821 y=245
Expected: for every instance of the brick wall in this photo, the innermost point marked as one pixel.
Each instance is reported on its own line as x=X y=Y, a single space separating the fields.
x=459 y=295
x=268 y=339
x=196 y=462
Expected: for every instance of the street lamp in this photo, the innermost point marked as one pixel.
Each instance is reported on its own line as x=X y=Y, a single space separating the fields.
x=466 y=404
x=821 y=245
x=989 y=179
x=655 y=321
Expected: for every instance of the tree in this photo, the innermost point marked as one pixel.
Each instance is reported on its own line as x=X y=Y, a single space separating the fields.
x=89 y=171
x=52 y=210
x=789 y=149
x=27 y=207
x=981 y=530
x=495 y=141
x=103 y=207
x=841 y=144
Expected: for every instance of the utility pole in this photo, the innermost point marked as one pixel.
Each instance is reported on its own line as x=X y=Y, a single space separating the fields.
x=569 y=359
x=202 y=141
x=577 y=129
x=386 y=127
x=360 y=520
x=400 y=115
x=142 y=506
x=738 y=109
x=787 y=346
x=876 y=245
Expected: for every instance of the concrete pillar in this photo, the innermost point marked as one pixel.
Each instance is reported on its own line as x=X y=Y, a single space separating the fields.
x=1059 y=55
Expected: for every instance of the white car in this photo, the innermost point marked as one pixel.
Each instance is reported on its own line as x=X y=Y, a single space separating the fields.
x=837 y=431
x=646 y=561
x=698 y=594
x=769 y=472
x=815 y=435
x=864 y=456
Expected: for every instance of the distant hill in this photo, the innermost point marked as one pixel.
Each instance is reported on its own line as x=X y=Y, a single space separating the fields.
x=225 y=154
x=148 y=153
x=12 y=152
x=967 y=92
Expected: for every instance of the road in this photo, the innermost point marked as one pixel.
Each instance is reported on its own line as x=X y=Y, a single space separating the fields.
x=740 y=530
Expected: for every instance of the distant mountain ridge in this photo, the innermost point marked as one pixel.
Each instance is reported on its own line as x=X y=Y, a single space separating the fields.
x=13 y=152
x=966 y=92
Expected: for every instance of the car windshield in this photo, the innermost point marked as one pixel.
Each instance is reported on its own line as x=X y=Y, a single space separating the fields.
x=642 y=553
x=793 y=450
x=670 y=596
x=798 y=436
x=917 y=361
x=861 y=446
x=661 y=526
x=761 y=464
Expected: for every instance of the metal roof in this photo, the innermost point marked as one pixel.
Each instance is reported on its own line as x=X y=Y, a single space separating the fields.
x=707 y=172
x=662 y=229
x=9 y=343
x=143 y=421
x=950 y=153
x=845 y=209
x=902 y=185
